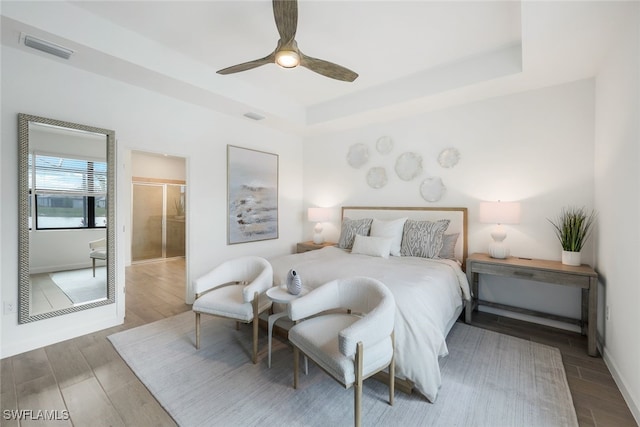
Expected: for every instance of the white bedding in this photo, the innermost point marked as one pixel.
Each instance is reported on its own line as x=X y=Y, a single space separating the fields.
x=428 y=295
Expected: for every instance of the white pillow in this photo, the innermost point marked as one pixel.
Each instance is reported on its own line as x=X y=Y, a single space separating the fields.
x=373 y=246
x=391 y=229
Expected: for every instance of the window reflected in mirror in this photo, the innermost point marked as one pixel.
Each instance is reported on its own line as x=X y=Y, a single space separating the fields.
x=66 y=205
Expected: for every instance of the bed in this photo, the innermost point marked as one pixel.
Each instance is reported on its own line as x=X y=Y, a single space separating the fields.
x=425 y=276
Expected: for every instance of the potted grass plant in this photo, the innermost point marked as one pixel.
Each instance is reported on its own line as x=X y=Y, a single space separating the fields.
x=179 y=205
x=573 y=227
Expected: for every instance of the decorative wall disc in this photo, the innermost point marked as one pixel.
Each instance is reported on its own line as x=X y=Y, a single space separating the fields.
x=449 y=157
x=377 y=177
x=432 y=189
x=408 y=166
x=384 y=145
x=358 y=155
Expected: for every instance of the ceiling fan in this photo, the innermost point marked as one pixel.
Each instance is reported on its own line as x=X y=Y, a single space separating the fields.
x=287 y=54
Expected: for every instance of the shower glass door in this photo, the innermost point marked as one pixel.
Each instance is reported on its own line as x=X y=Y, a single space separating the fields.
x=174 y=214
x=147 y=218
x=158 y=229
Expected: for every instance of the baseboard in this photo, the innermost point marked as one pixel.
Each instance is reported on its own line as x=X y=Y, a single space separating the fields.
x=12 y=347
x=67 y=267
x=634 y=405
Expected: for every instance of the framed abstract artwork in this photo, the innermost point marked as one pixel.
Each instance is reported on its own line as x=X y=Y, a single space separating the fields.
x=252 y=195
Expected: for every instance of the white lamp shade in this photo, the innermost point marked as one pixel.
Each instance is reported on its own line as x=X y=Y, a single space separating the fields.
x=318 y=214
x=500 y=212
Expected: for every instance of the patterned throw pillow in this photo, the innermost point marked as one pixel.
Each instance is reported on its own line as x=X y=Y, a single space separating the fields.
x=423 y=238
x=351 y=227
x=448 y=250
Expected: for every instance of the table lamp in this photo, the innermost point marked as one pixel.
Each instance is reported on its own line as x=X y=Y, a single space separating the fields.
x=499 y=213
x=318 y=215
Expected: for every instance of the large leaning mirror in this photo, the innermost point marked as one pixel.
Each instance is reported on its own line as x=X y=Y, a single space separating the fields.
x=66 y=217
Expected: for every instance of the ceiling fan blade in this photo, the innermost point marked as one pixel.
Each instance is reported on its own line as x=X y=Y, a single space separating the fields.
x=328 y=69
x=248 y=65
x=285 y=13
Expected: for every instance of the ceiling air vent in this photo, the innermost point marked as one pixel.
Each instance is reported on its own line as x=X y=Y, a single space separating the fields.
x=48 y=47
x=253 y=116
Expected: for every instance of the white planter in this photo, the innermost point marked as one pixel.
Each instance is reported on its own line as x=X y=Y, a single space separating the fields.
x=570 y=258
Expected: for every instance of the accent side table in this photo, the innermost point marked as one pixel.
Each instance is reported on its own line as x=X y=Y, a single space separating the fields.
x=280 y=295
x=545 y=271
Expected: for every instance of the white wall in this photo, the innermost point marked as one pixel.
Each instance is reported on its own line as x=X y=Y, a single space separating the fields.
x=142 y=121
x=534 y=147
x=617 y=197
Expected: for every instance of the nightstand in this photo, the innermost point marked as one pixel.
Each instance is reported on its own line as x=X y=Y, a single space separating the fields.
x=310 y=246
x=545 y=271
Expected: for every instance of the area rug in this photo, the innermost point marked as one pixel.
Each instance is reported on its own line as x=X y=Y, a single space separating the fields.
x=80 y=285
x=488 y=379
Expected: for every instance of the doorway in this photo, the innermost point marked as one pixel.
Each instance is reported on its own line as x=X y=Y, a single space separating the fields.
x=158 y=220
x=157 y=244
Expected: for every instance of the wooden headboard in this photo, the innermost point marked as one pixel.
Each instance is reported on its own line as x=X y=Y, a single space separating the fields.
x=456 y=216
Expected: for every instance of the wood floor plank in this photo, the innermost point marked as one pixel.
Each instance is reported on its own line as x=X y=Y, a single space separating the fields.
x=109 y=368
x=68 y=364
x=31 y=365
x=597 y=377
x=96 y=337
x=606 y=418
x=41 y=394
x=594 y=363
x=8 y=402
x=586 y=419
x=8 y=398
x=138 y=407
x=572 y=371
x=7 y=381
x=89 y=405
x=597 y=396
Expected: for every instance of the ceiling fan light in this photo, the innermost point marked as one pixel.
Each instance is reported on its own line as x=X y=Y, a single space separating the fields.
x=287 y=58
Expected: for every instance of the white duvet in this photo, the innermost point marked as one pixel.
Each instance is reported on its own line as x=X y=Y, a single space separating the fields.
x=428 y=295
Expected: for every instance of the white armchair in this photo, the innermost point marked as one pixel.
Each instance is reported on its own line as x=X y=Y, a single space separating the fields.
x=349 y=346
x=236 y=290
x=98 y=250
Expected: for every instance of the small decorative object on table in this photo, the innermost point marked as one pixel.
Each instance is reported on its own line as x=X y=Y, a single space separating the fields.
x=573 y=227
x=294 y=283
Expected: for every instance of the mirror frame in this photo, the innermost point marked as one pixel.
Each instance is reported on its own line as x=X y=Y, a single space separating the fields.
x=24 y=313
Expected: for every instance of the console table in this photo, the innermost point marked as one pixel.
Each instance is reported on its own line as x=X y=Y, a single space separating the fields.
x=545 y=271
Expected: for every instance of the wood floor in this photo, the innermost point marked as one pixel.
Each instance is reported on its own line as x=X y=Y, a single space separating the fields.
x=87 y=378
x=596 y=396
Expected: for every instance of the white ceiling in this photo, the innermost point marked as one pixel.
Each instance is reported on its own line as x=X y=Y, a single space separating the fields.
x=411 y=55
